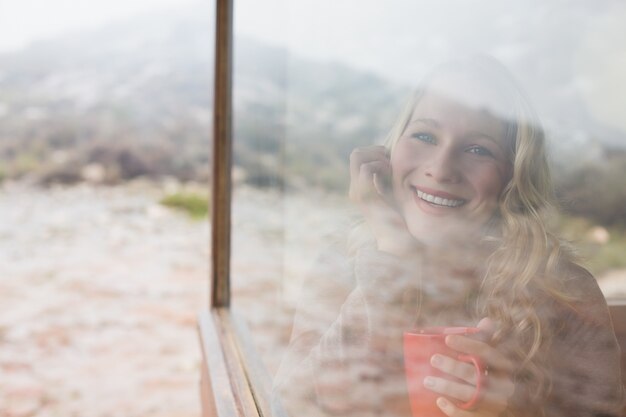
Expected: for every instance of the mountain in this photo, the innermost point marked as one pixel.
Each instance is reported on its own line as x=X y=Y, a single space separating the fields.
x=141 y=91
x=146 y=83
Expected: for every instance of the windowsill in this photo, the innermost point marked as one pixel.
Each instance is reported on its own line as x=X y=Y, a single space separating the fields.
x=617 y=307
x=234 y=382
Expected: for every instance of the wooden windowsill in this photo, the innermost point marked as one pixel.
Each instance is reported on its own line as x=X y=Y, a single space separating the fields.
x=234 y=382
x=617 y=307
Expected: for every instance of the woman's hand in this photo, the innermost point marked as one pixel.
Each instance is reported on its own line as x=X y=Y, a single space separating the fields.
x=371 y=190
x=497 y=387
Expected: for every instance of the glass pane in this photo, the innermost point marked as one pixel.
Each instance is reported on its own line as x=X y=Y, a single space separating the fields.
x=402 y=165
x=105 y=112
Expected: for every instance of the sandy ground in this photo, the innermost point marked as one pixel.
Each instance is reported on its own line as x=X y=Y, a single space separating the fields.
x=100 y=288
x=99 y=291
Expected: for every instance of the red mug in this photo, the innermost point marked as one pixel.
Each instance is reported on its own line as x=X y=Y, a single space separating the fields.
x=419 y=347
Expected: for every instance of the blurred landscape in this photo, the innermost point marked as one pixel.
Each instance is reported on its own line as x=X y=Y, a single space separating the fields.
x=124 y=102
x=104 y=136
x=133 y=100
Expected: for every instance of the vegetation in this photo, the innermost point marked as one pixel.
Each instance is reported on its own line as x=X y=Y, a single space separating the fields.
x=611 y=255
x=601 y=248
x=597 y=191
x=193 y=204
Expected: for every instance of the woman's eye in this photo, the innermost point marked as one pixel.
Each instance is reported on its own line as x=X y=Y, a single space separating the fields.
x=424 y=137
x=479 y=150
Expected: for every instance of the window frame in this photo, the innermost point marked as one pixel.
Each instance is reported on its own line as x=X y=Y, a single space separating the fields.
x=233 y=380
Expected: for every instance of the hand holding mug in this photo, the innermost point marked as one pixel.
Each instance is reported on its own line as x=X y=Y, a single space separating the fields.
x=459 y=383
x=420 y=347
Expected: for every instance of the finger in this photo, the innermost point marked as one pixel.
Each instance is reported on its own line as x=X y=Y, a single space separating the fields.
x=461 y=370
x=358 y=158
x=362 y=155
x=496 y=389
x=367 y=154
x=367 y=171
x=456 y=390
x=356 y=166
x=452 y=410
x=487 y=325
x=492 y=357
x=490 y=400
x=375 y=148
x=382 y=181
x=365 y=187
x=487 y=329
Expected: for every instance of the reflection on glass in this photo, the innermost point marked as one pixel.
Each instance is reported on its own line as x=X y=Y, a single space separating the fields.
x=457 y=216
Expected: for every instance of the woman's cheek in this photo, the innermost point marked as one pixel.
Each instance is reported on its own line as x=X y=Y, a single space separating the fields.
x=406 y=157
x=488 y=181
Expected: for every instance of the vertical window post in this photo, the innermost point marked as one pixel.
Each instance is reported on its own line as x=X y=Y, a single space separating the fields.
x=222 y=156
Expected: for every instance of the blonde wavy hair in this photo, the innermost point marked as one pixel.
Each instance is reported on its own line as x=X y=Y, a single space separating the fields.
x=524 y=264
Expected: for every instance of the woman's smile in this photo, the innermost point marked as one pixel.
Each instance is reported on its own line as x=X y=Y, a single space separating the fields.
x=437 y=198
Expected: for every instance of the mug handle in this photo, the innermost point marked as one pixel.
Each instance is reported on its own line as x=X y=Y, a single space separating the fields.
x=480 y=374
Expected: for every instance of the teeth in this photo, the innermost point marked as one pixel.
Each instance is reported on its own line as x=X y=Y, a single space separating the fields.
x=438 y=200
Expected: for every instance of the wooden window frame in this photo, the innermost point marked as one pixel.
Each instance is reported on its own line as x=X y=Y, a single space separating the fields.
x=617 y=307
x=233 y=380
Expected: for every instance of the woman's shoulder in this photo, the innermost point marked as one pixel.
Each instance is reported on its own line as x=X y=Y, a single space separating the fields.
x=580 y=283
x=582 y=297
x=584 y=290
x=584 y=352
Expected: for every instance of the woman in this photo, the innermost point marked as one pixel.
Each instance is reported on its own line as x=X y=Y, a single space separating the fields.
x=454 y=234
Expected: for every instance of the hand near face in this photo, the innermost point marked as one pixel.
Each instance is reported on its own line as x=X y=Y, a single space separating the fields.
x=370 y=189
x=498 y=386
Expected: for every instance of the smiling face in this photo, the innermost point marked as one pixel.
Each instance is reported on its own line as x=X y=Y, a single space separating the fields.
x=450 y=165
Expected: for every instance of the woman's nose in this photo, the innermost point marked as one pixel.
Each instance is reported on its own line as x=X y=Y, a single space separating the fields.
x=443 y=166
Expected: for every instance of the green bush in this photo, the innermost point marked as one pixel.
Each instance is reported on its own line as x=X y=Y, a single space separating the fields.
x=195 y=205
x=25 y=163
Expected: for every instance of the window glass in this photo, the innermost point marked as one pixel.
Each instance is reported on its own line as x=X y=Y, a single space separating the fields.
x=105 y=114
x=391 y=174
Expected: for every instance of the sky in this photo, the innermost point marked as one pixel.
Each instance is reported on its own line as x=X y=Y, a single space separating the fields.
x=577 y=45
x=377 y=36
x=397 y=39
x=25 y=21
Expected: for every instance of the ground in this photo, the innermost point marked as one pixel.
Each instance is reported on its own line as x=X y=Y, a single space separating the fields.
x=99 y=291
x=100 y=288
